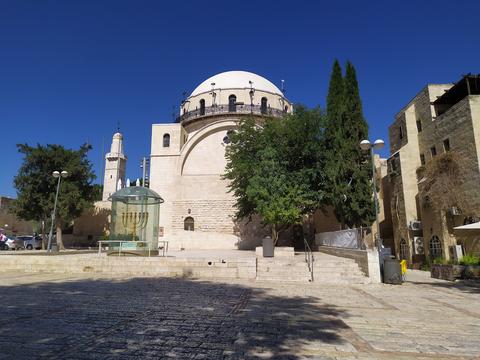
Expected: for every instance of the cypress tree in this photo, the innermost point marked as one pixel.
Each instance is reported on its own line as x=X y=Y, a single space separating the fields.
x=346 y=166
x=335 y=186
x=360 y=208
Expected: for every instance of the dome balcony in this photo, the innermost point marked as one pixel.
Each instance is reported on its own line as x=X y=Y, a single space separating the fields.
x=229 y=109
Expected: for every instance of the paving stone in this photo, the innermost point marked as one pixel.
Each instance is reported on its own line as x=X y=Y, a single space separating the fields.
x=84 y=317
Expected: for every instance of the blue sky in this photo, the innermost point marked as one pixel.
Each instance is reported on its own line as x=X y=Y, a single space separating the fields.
x=70 y=70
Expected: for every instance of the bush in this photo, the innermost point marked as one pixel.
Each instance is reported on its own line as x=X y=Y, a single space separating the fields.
x=470 y=260
x=439 y=261
x=425 y=267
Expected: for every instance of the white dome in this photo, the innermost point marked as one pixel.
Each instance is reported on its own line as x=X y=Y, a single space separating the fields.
x=236 y=80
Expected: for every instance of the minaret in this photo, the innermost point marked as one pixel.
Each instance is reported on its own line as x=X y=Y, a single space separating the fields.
x=115 y=164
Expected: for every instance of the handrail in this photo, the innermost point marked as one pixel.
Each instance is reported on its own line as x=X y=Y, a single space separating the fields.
x=226 y=109
x=309 y=259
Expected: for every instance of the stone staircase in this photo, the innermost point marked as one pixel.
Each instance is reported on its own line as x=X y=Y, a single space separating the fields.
x=328 y=269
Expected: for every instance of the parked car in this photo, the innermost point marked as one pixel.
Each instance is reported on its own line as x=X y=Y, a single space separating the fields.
x=29 y=242
x=9 y=244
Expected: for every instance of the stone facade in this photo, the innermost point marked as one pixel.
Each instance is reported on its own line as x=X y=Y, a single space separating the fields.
x=188 y=160
x=422 y=130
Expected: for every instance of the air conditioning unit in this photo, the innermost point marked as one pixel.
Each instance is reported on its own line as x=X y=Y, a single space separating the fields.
x=418 y=245
x=456 y=252
x=415 y=225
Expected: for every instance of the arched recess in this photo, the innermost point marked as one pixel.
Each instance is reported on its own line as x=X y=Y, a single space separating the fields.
x=222 y=125
x=189 y=224
x=166 y=140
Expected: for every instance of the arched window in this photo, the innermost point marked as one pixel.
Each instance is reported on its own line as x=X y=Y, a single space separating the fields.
x=263 y=106
x=202 y=107
x=435 y=247
x=403 y=250
x=189 y=224
x=286 y=108
x=166 y=140
x=232 y=103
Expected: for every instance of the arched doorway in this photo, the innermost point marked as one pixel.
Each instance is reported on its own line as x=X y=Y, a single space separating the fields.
x=189 y=224
x=232 y=103
x=263 y=106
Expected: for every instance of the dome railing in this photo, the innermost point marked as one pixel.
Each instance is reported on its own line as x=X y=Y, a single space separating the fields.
x=229 y=109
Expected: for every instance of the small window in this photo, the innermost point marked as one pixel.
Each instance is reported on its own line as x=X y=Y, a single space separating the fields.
x=166 y=140
x=419 y=125
x=400 y=132
x=263 y=106
x=202 y=107
x=433 y=151
x=435 y=247
x=403 y=250
x=446 y=145
x=422 y=159
x=189 y=224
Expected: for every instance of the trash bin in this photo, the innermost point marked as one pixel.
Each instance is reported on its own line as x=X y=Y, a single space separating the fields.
x=267 y=246
x=392 y=272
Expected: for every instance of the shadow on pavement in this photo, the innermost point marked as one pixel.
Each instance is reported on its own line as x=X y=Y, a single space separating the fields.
x=142 y=318
x=466 y=286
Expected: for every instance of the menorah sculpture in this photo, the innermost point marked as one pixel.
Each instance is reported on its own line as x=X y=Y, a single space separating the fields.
x=133 y=221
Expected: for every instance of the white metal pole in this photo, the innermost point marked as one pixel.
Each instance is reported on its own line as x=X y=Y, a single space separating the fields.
x=375 y=196
x=50 y=235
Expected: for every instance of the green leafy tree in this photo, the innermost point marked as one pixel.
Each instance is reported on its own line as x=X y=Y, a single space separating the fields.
x=275 y=168
x=347 y=168
x=36 y=186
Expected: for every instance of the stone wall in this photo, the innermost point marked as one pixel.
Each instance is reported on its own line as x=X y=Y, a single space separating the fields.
x=15 y=225
x=209 y=215
x=458 y=126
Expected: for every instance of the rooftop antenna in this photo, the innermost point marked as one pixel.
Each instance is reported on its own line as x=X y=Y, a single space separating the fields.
x=118 y=126
x=283 y=87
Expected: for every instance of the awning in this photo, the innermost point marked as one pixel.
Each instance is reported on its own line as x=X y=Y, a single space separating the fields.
x=474 y=226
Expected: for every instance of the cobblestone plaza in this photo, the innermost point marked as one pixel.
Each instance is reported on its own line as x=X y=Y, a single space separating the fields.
x=59 y=316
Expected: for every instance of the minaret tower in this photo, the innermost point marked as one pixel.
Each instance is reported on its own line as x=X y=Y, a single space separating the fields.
x=115 y=164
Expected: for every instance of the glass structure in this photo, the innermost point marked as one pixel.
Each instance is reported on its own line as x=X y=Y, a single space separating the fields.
x=135 y=218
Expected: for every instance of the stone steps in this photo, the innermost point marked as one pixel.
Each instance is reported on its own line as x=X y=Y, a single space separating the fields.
x=328 y=269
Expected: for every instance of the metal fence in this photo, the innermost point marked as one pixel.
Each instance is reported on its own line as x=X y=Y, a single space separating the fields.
x=225 y=109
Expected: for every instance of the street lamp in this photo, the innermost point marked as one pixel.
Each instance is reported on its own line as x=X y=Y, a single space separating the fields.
x=366 y=145
x=59 y=176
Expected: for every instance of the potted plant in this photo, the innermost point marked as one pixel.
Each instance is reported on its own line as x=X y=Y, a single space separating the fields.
x=471 y=266
x=446 y=270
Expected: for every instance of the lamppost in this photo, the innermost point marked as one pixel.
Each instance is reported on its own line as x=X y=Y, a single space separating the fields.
x=58 y=175
x=367 y=145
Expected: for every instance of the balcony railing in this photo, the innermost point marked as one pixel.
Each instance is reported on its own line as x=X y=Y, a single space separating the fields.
x=229 y=109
